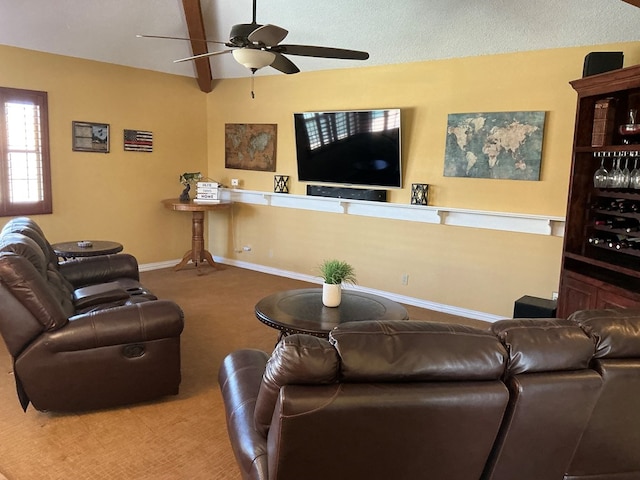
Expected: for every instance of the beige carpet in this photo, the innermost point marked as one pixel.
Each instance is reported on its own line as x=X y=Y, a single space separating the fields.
x=181 y=437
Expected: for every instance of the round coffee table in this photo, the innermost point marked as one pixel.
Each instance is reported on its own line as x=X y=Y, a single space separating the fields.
x=302 y=311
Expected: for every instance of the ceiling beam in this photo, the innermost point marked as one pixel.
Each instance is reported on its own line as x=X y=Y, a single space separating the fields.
x=633 y=2
x=195 y=25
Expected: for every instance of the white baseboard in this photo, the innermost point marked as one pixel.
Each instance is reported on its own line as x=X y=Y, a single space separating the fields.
x=146 y=267
x=416 y=302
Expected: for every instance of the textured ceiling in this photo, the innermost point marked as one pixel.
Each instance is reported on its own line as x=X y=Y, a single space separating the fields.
x=395 y=31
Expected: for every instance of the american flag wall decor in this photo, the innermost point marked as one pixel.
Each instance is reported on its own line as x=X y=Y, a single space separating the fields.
x=138 y=141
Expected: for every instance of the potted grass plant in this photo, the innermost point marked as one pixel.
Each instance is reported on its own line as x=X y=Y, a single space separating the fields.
x=334 y=273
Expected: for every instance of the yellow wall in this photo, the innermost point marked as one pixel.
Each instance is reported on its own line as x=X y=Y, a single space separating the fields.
x=475 y=269
x=116 y=195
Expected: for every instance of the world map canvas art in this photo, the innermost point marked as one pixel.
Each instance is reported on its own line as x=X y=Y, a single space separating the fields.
x=504 y=145
x=250 y=146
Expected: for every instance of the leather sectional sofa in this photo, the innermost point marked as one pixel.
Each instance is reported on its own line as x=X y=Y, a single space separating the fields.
x=83 y=334
x=528 y=399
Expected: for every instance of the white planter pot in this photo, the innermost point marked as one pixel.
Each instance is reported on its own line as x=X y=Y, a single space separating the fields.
x=331 y=294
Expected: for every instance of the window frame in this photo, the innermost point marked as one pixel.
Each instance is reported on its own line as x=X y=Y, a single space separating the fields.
x=44 y=206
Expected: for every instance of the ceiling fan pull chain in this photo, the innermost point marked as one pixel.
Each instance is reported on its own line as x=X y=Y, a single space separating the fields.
x=253 y=75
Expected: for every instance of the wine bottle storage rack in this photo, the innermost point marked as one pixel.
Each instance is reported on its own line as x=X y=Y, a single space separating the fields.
x=624 y=193
x=599 y=197
x=627 y=251
x=609 y=213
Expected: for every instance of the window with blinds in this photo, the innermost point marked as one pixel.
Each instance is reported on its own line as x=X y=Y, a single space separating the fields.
x=25 y=181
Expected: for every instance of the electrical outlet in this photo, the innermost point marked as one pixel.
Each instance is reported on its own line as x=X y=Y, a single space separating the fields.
x=235 y=182
x=405 y=279
x=554 y=295
x=246 y=248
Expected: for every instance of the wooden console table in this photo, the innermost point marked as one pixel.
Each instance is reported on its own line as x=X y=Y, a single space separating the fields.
x=198 y=253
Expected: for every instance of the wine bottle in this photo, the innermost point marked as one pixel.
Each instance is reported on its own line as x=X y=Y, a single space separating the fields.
x=597 y=241
x=601 y=204
x=617 y=244
x=626 y=206
x=632 y=228
x=628 y=224
x=606 y=222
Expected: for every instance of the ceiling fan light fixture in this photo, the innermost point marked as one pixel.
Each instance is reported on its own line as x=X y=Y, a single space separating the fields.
x=253 y=58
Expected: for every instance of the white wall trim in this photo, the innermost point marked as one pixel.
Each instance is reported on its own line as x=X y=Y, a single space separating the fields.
x=146 y=267
x=417 y=302
x=505 y=221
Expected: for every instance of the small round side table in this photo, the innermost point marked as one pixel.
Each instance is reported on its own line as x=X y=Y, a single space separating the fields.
x=92 y=248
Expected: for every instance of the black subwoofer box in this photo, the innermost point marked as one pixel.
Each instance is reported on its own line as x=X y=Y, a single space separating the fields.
x=534 y=307
x=600 y=62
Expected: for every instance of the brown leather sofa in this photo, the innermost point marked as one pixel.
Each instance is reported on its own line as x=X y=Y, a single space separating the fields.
x=83 y=334
x=410 y=400
x=552 y=392
x=380 y=400
x=610 y=445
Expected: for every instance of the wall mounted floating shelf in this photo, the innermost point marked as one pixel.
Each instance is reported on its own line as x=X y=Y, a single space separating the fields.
x=504 y=221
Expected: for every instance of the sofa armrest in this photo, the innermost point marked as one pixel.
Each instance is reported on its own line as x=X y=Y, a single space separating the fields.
x=100 y=269
x=98 y=294
x=129 y=324
x=240 y=377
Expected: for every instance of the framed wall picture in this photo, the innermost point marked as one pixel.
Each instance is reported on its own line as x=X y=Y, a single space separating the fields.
x=250 y=146
x=90 y=137
x=505 y=145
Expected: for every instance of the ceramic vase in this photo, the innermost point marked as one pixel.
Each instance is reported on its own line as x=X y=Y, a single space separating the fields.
x=331 y=294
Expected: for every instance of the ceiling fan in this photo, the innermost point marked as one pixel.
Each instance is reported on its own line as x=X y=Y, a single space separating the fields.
x=256 y=46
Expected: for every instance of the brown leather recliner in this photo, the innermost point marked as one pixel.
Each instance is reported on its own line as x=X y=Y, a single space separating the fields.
x=610 y=446
x=379 y=400
x=118 y=271
x=553 y=392
x=114 y=350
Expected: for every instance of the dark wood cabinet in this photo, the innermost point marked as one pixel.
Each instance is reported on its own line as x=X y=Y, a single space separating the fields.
x=601 y=253
x=580 y=292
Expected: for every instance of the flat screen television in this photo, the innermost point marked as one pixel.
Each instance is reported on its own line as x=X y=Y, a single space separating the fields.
x=349 y=147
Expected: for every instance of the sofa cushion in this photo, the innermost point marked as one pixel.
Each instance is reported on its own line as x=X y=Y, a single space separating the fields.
x=616 y=331
x=26 y=247
x=31 y=229
x=297 y=359
x=379 y=351
x=543 y=345
x=27 y=301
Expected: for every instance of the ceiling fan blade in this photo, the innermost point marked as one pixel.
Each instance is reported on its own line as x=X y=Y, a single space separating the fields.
x=268 y=35
x=283 y=64
x=322 y=52
x=195 y=57
x=180 y=38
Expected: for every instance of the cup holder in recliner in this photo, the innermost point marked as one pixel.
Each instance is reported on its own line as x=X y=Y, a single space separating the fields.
x=135 y=350
x=135 y=291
